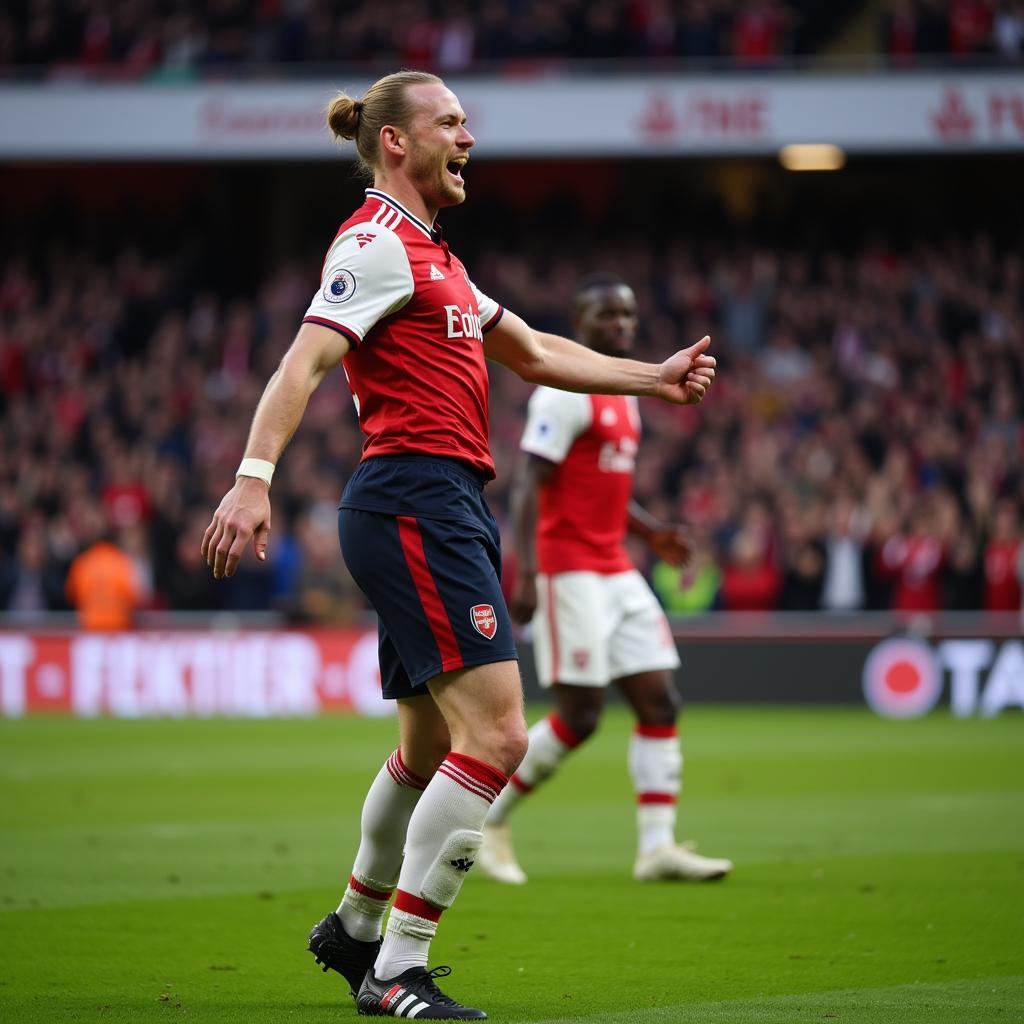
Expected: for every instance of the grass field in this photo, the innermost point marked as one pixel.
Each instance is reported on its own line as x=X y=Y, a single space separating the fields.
x=170 y=871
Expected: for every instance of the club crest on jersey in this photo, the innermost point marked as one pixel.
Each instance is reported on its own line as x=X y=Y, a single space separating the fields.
x=485 y=622
x=341 y=287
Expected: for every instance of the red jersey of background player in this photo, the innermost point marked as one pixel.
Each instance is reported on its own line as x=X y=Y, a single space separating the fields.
x=419 y=380
x=584 y=507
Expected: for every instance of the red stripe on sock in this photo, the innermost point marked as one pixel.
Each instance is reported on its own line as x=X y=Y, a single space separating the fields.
x=468 y=784
x=398 y=773
x=422 y=578
x=414 y=780
x=409 y=904
x=656 y=798
x=476 y=776
x=563 y=732
x=523 y=787
x=657 y=732
x=374 y=894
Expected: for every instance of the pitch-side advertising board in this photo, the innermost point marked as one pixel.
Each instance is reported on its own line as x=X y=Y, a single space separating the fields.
x=273 y=673
x=145 y=674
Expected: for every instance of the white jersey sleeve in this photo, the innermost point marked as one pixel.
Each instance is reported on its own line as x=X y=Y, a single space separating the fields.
x=554 y=420
x=489 y=310
x=366 y=276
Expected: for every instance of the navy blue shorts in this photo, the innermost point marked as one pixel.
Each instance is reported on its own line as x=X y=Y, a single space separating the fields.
x=423 y=546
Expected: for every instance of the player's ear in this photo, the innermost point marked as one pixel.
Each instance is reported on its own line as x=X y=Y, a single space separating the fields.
x=392 y=140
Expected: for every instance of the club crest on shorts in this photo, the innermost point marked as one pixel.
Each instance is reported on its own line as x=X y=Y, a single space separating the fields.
x=485 y=622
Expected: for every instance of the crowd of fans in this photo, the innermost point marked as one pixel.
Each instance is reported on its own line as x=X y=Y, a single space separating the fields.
x=145 y=36
x=181 y=38
x=862 y=448
x=914 y=29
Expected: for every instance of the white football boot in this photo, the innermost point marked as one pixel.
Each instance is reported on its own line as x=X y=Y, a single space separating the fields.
x=679 y=862
x=497 y=858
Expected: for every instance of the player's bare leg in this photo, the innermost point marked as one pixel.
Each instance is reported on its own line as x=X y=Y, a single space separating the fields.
x=348 y=940
x=656 y=764
x=576 y=716
x=483 y=709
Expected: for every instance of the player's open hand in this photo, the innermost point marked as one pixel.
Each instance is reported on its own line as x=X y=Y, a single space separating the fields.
x=243 y=515
x=685 y=377
x=671 y=544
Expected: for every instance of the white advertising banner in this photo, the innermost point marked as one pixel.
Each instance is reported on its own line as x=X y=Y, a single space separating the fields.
x=592 y=116
x=255 y=674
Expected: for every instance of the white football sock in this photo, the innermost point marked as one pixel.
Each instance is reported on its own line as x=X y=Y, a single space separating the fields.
x=550 y=741
x=443 y=837
x=656 y=765
x=386 y=811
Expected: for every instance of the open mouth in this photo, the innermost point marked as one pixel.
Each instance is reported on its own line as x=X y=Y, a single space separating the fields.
x=454 y=167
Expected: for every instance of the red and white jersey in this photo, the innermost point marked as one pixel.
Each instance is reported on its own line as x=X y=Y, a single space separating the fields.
x=584 y=504
x=416 y=324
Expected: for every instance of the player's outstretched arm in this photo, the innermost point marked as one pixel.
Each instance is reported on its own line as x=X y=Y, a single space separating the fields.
x=682 y=379
x=244 y=512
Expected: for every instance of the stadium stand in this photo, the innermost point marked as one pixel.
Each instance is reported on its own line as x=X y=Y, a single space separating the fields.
x=180 y=40
x=864 y=447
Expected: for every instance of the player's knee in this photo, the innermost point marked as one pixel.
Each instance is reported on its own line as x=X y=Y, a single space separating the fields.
x=582 y=722
x=509 y=745
x=660 y=708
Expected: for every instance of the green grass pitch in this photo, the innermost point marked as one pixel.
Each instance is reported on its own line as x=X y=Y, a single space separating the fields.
x=170 y=871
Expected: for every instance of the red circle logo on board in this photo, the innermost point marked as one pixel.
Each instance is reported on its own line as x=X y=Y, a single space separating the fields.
x=902 y=678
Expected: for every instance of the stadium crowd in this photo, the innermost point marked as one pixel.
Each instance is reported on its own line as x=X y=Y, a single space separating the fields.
x=180 y=38
x=863 y=447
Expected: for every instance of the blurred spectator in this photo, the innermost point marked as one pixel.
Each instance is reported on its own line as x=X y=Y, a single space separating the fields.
x=701 y=32
x=750 y=581
x=103 y=585
x=325 y=593
x=970 y=27
x=843 y=586
x=758 y=33
x=1004 y=560
x=802 y=583
x=1008 y=30
x=899 y=31
x=694 y=588
x=30 y=582
x=914 y=560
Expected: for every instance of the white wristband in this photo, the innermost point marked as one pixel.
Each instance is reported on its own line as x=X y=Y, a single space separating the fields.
x=259 y=468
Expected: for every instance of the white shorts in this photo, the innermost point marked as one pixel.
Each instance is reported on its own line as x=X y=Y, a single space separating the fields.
x=591 y=628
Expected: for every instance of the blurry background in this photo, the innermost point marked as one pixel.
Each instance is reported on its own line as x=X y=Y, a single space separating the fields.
x=168 y=191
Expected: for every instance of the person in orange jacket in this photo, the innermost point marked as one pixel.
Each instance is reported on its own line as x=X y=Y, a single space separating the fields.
x=103 y=584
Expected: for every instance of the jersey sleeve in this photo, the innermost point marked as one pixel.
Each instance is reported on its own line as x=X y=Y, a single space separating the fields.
x=489 y=310
x=554 y=420
x=366 y=276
